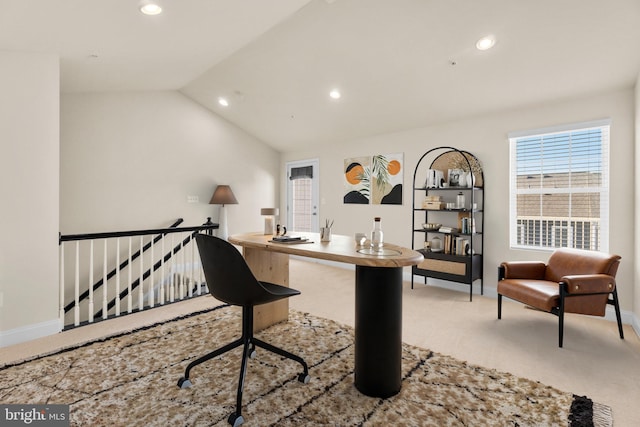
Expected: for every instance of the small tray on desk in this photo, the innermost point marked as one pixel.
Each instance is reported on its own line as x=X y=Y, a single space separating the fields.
x=383 y=252
x=290 y=240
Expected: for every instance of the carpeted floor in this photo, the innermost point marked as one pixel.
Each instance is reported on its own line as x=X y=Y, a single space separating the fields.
x=130 y=379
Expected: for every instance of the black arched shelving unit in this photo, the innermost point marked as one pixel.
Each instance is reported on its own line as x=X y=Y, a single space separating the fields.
x=461 y=232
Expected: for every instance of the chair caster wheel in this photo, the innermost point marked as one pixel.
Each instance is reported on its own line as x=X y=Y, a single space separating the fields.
x=253 y=354
x=304 y=378
x=235 y=420
x=184 y=383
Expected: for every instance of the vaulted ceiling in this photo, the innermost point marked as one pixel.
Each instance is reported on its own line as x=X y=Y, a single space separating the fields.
x=399 y=64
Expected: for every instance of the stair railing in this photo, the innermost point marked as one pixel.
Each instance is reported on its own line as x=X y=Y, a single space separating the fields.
x=168 y=276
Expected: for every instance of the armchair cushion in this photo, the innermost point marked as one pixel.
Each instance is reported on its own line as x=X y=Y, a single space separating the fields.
x=524 y=270
x=541 y=294
x=589 y=283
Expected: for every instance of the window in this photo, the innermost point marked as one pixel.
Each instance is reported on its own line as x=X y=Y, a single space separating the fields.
x=560 y=187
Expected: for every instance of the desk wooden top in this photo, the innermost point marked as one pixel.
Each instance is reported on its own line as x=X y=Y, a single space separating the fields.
x=340 y=249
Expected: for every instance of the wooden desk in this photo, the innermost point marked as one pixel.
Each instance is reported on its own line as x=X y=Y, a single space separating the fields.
x=378 y=310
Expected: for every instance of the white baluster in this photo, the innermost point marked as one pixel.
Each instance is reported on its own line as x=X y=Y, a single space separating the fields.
x=129 y=278
x=162 y=275
x=152 y=276
x=200 y=274
x=117 y=276
x=191 y=275
x=182 y=278
x=76 y=309
x=91 y=282
x=141 y=284
x=105 y=266
x=172 y=272
x=61 y=285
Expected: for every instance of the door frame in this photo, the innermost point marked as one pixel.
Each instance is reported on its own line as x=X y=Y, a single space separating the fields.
x=315 y=191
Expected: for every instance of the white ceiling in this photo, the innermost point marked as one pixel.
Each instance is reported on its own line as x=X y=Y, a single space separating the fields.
x=276 y=60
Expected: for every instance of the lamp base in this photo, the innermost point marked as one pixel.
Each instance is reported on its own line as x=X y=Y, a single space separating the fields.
x=222 y=224
x=268 y=225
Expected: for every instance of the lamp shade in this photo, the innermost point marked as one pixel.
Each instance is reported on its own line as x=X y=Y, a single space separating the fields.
x=223 y=196
x=269 y=211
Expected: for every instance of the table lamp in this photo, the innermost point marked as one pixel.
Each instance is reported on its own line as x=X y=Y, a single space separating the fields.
x=223 y=196
x=269 y=221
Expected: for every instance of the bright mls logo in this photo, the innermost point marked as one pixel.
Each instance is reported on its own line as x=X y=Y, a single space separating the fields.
x=34 y=415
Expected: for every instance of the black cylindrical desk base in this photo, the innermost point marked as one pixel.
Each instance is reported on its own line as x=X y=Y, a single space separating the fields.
x=378 y=334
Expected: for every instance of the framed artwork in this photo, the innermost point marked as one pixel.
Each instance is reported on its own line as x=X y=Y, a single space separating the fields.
x=374 y=180
x=456 y=177
x=356 y=180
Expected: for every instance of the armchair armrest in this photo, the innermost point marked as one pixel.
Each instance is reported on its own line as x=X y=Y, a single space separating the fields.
x=589 y=283
x=533 y=270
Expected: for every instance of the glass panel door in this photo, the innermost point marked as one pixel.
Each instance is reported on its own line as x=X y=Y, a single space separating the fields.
x=302 y=195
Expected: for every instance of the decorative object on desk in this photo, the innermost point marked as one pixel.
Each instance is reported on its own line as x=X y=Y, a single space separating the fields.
x=269 y=220
x=94 y=379
x=325 y=232
x=281 y=227
x=377 y=236
x=290 y=239
x=374 y=180
x=379 y=252
x=223 y=196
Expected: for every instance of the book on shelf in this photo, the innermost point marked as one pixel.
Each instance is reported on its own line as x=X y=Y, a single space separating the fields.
x=448 y=230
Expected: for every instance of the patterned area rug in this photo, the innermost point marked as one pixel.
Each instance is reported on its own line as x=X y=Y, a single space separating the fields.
x=130 y=379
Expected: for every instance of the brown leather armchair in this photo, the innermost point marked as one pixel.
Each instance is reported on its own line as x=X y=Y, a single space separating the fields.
x=572 y=281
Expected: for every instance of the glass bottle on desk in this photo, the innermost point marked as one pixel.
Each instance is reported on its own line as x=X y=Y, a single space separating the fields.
x=377 y=235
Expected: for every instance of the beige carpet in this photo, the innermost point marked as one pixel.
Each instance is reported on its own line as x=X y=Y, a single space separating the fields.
x=130 y=379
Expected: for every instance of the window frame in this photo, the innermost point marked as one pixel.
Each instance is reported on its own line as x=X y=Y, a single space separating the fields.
x=601 y=233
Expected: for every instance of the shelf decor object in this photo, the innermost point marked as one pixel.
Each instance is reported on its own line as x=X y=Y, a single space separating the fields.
x=448 y=191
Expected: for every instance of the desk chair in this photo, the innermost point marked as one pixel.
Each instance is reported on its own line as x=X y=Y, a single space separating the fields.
x=230 y=280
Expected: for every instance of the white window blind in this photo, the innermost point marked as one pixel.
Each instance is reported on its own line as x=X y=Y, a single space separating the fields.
x=560 y=187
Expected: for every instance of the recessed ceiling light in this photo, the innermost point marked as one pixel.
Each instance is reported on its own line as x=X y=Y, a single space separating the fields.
x=151 y=9
x=335 y=94
x=223 y=101
x=486 y=42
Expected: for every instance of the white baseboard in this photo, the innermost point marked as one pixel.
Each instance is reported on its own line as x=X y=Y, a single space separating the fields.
x=29 y=332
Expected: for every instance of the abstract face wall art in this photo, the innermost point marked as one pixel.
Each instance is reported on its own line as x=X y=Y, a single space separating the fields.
x=374 y=180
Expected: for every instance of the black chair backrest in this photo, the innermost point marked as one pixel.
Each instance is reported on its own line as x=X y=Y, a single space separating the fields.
x=228 y=276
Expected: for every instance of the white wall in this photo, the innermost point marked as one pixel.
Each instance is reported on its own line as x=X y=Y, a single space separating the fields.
x=636 y=301
x=29 y=170
x=486 y=137
x=129 y=161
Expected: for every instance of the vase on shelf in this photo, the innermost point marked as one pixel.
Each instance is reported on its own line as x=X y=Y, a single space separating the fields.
x=471 y=180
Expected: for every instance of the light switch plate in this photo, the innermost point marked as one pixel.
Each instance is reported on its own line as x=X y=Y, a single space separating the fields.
x=193 y=199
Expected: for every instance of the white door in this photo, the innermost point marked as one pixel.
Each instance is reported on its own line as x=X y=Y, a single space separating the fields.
x=302 y=195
